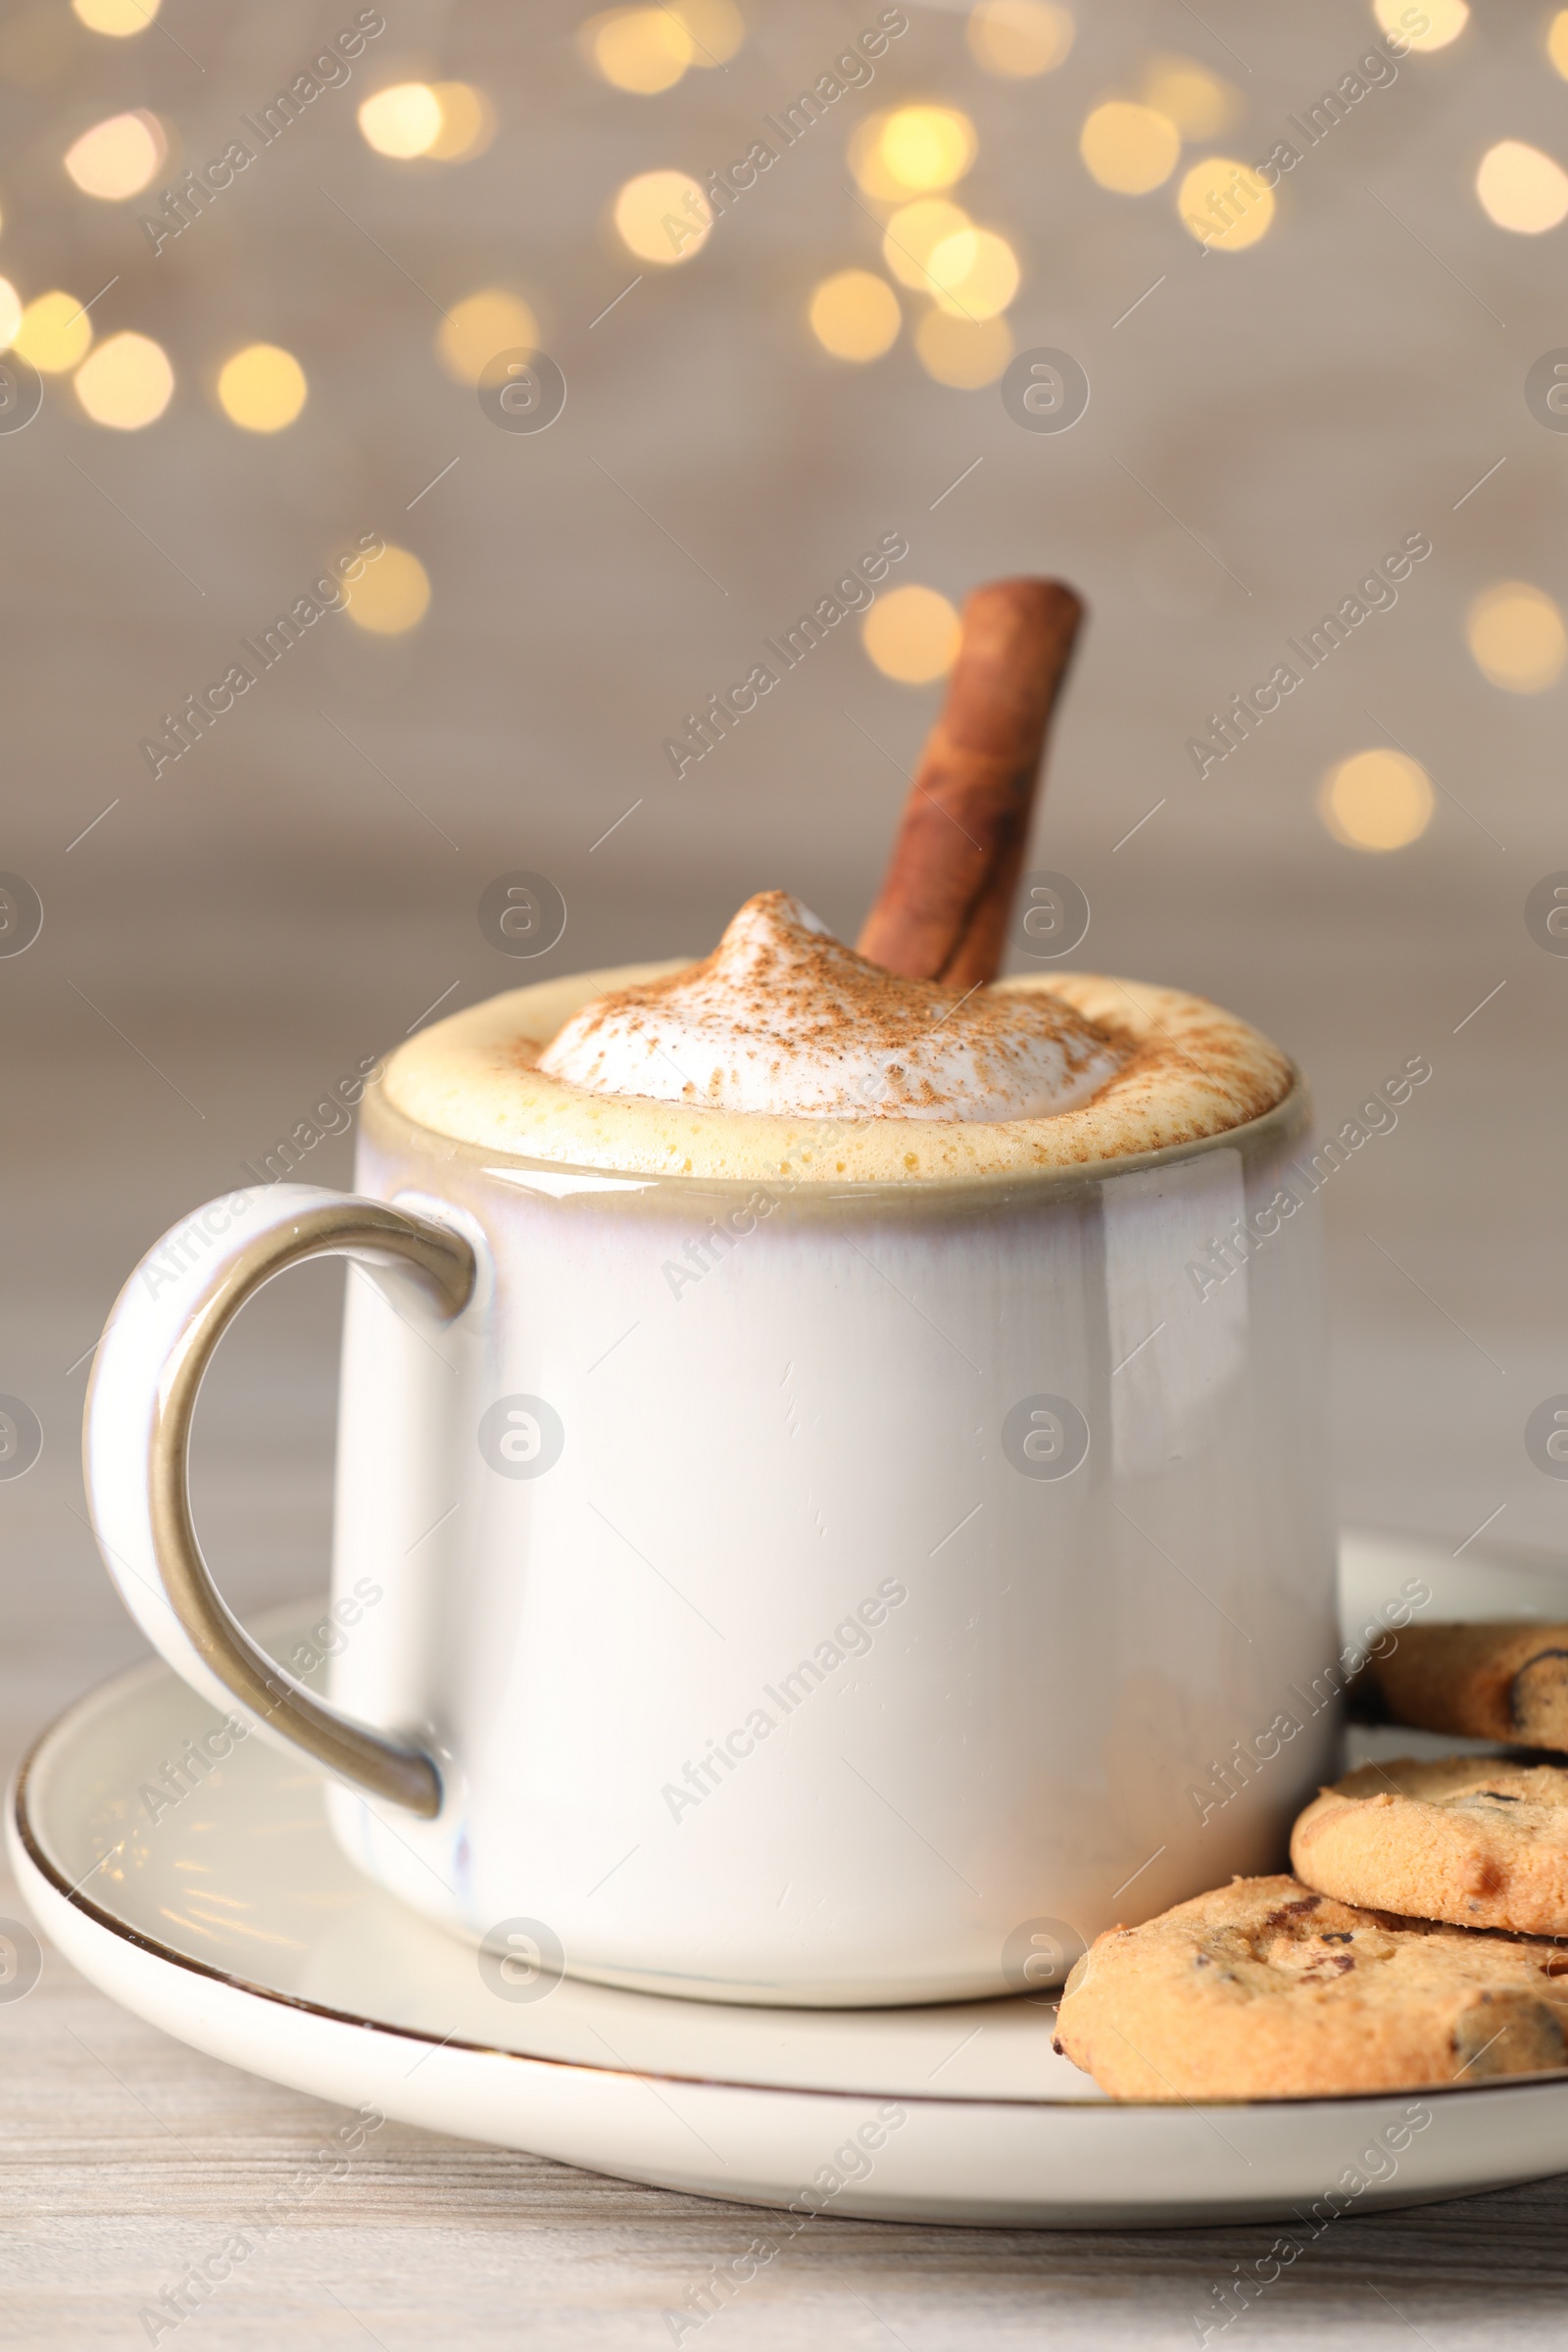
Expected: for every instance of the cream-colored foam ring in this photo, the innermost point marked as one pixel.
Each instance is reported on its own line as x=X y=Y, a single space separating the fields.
x=1191 y=1071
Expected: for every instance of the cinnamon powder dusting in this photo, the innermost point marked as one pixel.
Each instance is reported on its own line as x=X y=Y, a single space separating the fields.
x=782 y=1018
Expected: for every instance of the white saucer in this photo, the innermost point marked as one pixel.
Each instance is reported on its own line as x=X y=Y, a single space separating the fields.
x=235 y=1925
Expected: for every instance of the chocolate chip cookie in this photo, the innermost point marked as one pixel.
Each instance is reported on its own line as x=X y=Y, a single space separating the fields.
x=1265 y=1990
x=1475 y=1839
x=1505 y=1681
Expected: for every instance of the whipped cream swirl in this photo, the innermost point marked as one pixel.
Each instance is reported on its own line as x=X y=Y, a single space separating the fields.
x=782 y=1017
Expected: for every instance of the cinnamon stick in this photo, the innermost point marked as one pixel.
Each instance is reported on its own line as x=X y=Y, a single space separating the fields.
x=947 y=897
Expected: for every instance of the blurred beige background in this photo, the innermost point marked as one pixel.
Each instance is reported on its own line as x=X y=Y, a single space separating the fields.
x=1265 y=425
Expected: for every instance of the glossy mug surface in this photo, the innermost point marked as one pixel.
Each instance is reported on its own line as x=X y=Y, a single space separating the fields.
x=805 y=1596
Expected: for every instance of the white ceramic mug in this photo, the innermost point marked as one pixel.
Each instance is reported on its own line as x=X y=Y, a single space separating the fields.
x=775 y=1592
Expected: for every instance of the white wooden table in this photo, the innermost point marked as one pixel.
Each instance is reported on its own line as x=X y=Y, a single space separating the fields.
x=129 y=2158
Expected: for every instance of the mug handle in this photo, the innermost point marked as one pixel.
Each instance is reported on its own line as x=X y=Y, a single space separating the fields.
x=155 y=1347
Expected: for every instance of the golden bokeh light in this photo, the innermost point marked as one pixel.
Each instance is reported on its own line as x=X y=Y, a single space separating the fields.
x=913 y=234
x=645 y=50
x=9 y=314
x=117 y=159
x=390 y=595
x=127 y=382
x=476 y=329
x=1516 y=637
x=716 y=29
x=913 y=151
x=964 y=353
x=663 y=217
x=871 y=175
x=1129 y=148
x=1197 y=101
x=1018 y=38
x=1224 y=204
x=1376 y=801
x=854 y=315
x=1445 y=20
x=262 y=388
x=925 y=148
x=468 y=123
x=403 y=120
x=974 y=273
x=117 y=18
x=913 y=635
x=55 y=332
x=1522 y=189
x=1557 y=41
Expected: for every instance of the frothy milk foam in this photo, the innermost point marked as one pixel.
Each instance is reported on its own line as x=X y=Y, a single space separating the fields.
x=739 y=1066
x=781 y=1017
